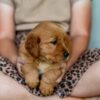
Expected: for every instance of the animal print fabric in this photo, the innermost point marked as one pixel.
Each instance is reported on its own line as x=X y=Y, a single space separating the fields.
x=70 y=79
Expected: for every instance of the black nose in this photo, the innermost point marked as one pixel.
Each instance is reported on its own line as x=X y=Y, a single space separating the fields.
x=65 y=54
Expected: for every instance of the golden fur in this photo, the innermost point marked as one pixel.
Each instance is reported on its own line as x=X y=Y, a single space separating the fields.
x=43 y=50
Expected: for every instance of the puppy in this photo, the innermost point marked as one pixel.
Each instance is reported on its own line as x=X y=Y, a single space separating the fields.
x=44 y=49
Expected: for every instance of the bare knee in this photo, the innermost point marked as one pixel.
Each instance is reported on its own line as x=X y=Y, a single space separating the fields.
x=88 y=85
x=11 y=90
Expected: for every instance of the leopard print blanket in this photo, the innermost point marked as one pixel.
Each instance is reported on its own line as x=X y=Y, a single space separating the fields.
x=70 y=79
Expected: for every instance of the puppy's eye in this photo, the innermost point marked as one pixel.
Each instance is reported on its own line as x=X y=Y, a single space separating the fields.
x=54 y=42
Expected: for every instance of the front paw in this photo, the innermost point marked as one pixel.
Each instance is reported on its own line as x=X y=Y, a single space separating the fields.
x=32 y=83
x=46 y=88
x=32 y=80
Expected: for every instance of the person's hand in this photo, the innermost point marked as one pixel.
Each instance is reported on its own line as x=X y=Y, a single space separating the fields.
x=20 y=63
x=63 y=69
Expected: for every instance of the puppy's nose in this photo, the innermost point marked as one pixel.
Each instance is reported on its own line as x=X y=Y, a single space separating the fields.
x=65 y=54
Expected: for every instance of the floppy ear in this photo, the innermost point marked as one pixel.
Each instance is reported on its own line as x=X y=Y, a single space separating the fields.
x=67 y=42
x=32 y=45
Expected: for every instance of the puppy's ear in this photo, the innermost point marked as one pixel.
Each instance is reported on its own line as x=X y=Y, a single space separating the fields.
x=67 y=43
x=32 y=45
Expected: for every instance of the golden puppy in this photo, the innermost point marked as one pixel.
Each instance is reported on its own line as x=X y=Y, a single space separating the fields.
x=44 y=49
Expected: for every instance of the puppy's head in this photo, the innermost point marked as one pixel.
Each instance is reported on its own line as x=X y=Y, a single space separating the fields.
x=48 y=42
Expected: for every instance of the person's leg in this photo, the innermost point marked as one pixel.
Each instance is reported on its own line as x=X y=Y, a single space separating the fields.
x=55 y=97
x=89 y=84
x=11 y=90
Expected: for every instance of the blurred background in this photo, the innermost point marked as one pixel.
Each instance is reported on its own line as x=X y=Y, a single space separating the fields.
x=95 y=31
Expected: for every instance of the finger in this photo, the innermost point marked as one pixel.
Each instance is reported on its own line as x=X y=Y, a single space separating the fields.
x=19 y=68
x=20 y=60
x=59 y=79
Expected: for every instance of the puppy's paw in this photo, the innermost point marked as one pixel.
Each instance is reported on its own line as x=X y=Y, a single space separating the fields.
x=32 y=83
x=46 y=88
x=32 y=79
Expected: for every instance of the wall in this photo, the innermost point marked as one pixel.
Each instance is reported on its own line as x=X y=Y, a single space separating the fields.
x=95 y=31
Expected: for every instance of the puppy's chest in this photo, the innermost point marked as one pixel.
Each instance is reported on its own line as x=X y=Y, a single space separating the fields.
x=43 y=67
